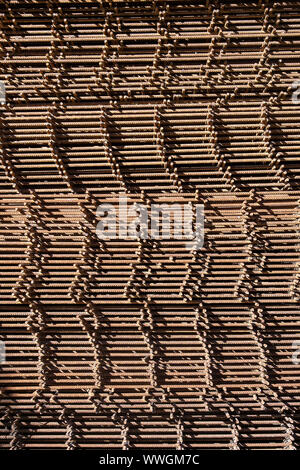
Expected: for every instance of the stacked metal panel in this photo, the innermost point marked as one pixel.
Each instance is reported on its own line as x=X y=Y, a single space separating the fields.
x=143 y=343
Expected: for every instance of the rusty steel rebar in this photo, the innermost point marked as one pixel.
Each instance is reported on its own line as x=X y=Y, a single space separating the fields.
x=144 y=343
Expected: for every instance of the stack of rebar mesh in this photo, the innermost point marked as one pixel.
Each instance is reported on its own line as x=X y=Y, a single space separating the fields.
x=125 y=343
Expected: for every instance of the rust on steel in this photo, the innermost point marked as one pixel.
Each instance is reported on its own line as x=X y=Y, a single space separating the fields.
x=141 y=343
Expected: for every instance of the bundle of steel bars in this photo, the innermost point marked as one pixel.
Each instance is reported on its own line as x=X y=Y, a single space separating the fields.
x=142 y=343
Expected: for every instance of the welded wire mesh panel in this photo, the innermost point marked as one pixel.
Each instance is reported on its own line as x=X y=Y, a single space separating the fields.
x=140 y=343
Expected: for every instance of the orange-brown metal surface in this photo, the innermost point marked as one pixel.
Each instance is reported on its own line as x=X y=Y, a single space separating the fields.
x=143 y=343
